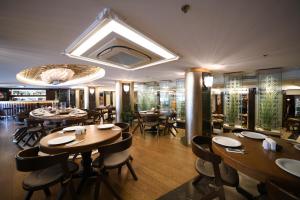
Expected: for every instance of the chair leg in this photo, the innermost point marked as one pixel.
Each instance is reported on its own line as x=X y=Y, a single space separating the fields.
x=172 y=132
x=119 y=170
x=75 y=156
x=28 y=195
x=62 y=192
x=28 y=139
x=141 y=127
x=72 y=190
x=131 y=170
x=97 y=188
x=47 y=192
x=174 y=128
x=243 y=192
x=107 y=184
x=134 y=129
x=197 y=179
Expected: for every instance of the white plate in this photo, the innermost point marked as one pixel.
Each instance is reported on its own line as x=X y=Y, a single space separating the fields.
x=71 y=128
x=289 y=165
x=105 y=126
x=297 y=146
x=253 y=135
x=226 y=141
x=62 y=140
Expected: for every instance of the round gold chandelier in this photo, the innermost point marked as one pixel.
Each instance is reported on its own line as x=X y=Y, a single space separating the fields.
x=60 y=74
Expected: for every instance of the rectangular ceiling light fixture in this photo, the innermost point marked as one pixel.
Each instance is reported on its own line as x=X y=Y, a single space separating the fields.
x=106 y=25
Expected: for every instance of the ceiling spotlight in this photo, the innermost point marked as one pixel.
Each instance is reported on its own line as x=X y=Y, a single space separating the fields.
x=185 y=8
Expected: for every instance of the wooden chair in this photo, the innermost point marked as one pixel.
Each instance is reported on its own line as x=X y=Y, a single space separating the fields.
x=113 y=156
x=71 y=122
x=170 y=124
x=152 y=121
x=93 y=117
x=212 y=171
x=46 y=171
x=35 y=131
x=275 y=192
x=123 y=126
x=139 y=122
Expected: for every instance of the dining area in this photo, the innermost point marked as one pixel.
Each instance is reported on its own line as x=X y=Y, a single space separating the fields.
x=143 y=100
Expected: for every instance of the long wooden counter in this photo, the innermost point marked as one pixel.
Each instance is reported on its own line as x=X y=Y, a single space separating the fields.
x=11 y=108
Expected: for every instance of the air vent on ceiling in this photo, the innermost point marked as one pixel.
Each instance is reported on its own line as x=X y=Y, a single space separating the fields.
x=120 y=52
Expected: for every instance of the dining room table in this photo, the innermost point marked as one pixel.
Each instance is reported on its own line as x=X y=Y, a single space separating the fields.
x=57 y=115
x=259 y=163
x=84 y=143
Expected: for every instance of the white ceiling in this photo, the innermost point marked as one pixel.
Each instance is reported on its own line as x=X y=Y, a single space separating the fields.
x=231 y=33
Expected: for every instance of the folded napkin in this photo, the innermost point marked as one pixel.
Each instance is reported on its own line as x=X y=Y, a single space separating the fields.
x=269 y=144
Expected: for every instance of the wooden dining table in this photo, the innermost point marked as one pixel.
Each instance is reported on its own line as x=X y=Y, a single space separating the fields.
x=259 y=163
x=58 y=117
x=89 y=141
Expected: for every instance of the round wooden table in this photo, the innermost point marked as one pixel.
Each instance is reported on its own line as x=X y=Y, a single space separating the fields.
x=259 y=163
x=92 y=139
x=56 y=117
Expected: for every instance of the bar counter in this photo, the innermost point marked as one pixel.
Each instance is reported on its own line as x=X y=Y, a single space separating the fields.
x=11 y=108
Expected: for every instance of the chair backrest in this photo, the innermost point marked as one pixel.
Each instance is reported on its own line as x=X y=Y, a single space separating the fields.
x=31 y=122
x=173 y=115
x=151 y=118
x=275 y=192
x=68 y=122
x=56 y=129
x=201 y=147
x=123 y=126
x=238 y=130
x=28 y=160
x=118 y=146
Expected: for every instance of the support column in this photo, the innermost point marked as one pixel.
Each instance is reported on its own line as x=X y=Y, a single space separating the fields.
x=97 y=96
x=86 y=97
x=118 y=101
x=132 y=96
x=197 y=98
x=77 y=98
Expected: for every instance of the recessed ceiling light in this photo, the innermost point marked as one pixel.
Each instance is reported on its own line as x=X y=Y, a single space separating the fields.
x=108 y=23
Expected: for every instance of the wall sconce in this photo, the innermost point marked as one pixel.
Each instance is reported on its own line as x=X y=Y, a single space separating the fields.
x=126 y=88
x=92 y=90
x=208 y=81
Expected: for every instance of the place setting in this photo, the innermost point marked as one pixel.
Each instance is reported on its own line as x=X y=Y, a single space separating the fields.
x=231 y=145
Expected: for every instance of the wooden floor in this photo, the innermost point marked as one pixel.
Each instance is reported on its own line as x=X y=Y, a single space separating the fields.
x=160 y=164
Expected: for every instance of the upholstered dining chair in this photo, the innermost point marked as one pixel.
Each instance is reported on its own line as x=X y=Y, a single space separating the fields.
x=35 y=131
x=123 y=126
x=46 y=171
x=212 y=171
x=113 y=156
x=93 y=117
x=170 y=123
x=139 y=122
x=151 y=121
